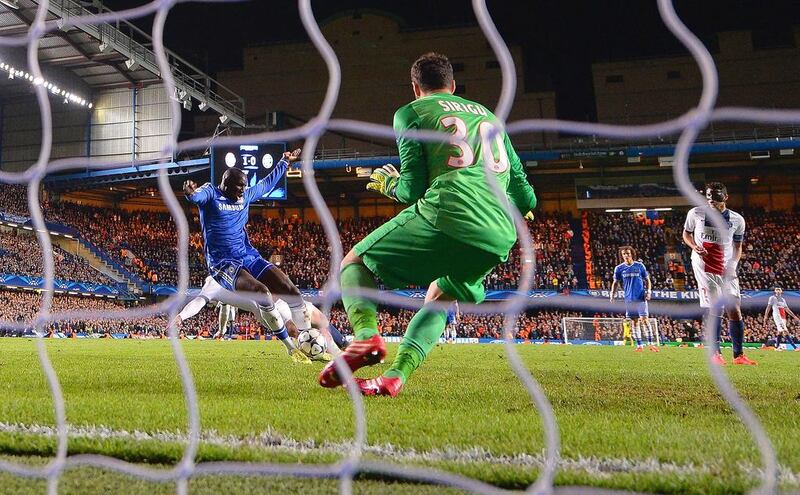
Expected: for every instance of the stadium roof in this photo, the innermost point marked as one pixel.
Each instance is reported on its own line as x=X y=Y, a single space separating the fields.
x=102 y=56
x=73 y=50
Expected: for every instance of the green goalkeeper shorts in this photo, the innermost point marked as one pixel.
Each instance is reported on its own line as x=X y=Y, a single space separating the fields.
x=408 y=250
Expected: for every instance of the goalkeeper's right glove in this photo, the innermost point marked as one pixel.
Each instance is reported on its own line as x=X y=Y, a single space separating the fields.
x=384 y=180
x=529 y=216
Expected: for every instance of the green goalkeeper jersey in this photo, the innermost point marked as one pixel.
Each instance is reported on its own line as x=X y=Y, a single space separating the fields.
x=447 y=180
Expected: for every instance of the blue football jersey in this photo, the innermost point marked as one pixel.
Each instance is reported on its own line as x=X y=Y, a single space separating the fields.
x=223 y=220
x=632 y=278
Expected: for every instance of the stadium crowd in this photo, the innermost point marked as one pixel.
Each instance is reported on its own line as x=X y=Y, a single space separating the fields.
x=301 y=248
x=21 y=254
x=14 y=199
x=769 y=258
x=146 y=244
x=304 y=254
x=652 y=238
x=19 y=308
x=771 y=249
x=551 y=235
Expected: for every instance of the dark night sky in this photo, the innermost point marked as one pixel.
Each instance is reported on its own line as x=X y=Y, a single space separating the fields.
x=560 y=39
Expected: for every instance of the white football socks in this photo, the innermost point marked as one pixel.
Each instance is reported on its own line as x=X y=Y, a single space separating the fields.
x=272 y=320
x=300 y=316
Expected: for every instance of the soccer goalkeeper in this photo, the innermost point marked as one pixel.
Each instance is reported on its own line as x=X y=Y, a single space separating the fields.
x=453 y=234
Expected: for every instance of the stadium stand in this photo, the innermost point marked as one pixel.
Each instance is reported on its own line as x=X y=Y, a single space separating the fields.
x=145 y=243
x=20 y=307
x=769 y=259
x=13 y=199
x=20 y=254
x=651 y=239
x=771 y=249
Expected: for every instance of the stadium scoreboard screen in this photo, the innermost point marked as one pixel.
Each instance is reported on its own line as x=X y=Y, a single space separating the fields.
x=255 y=160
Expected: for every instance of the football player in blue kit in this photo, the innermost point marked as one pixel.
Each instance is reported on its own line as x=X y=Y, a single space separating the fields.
x=632 y=275
x=233 y=262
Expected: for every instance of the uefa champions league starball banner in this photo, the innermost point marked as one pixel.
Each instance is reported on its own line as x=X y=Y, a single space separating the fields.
x=10 y=218
x=22 y=282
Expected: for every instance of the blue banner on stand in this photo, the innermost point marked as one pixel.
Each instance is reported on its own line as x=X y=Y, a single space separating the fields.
x=20 y=281
x=168 y=290
x=501 y=295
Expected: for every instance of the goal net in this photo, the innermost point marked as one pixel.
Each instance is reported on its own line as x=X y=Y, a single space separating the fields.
x=73 y=13
x=608 y=331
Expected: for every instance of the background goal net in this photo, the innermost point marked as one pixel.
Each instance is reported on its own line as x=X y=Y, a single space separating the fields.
x=607 y=331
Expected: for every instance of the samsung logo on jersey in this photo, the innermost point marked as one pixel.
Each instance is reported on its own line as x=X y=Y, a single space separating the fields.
x=452 y=106
x=630 y=275
x=227 y=207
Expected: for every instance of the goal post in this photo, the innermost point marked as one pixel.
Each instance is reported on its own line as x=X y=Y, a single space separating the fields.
x=607 y=331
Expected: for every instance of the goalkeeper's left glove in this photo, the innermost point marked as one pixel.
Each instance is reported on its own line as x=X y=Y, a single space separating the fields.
x=384 y=180
x=529 y=216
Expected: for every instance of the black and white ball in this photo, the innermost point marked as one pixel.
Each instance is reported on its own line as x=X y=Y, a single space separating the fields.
x=312 y=343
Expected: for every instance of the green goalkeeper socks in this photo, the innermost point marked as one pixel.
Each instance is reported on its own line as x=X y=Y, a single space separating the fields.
x=361 y=312
x=423 y=333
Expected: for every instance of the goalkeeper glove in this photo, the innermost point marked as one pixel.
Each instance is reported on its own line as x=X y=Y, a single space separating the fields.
x=384 y=180
x=529 y=216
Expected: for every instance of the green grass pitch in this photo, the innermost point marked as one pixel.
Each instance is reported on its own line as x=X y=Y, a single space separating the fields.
x=647 y=422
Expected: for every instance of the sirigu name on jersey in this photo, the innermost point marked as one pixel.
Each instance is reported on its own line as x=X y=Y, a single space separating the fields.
x=452 y=106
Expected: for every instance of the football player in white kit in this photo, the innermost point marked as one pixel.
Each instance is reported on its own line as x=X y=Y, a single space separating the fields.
x=227 y=315
x=230 y=301
x=779 y=310
x=716 y=254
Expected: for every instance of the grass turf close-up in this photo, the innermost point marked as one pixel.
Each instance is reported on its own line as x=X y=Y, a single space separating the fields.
x=649 y=422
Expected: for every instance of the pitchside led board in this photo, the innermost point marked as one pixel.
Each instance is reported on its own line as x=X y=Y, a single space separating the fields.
x=256 y=160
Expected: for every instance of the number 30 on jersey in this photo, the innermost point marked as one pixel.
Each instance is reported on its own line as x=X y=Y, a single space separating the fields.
x=497 y=159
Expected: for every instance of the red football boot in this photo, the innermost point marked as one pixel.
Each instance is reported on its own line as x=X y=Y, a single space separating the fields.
x=358 y=354
x=383 y=385
x=718 y=359
x=743 y=360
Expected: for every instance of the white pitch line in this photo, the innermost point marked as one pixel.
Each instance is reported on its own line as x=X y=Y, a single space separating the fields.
x=271 y=440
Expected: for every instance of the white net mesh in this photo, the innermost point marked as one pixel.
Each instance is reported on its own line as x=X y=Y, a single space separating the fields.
x=687 y=125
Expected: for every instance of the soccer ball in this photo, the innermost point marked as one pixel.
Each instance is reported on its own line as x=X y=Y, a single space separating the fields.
x=312 y=343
